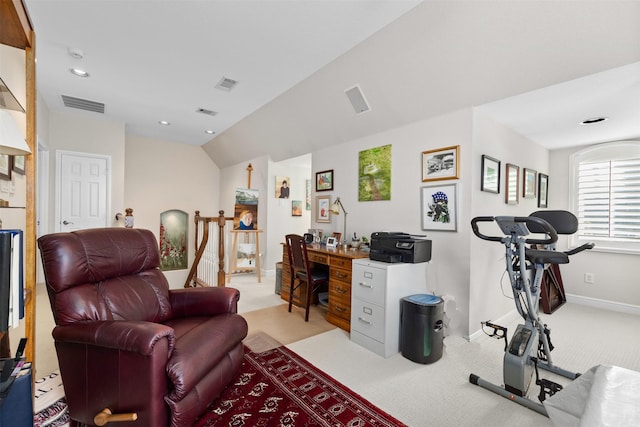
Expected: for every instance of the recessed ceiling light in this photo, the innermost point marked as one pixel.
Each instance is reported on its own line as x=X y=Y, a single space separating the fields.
x=594 y=120
x=78 y=72
x=164 y=122
x=210 y=132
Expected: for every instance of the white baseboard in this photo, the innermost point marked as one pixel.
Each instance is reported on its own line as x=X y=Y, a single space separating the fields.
x=513 y=315
x=604 y=304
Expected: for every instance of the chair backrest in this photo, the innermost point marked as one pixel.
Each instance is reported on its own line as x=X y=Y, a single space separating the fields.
x=298 y=257
x=564 y=222
x=104 y=274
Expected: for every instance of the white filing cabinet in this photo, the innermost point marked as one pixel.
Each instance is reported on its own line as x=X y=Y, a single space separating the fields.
x=376 y=292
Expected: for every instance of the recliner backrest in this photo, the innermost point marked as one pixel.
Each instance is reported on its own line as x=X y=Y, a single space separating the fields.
x=104 y=274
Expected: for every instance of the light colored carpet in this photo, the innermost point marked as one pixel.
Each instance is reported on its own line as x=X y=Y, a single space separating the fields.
x=440 y=394
x=287 y=327
x=419 y=395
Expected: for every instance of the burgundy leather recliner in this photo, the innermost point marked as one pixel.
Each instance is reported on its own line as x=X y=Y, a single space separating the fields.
x=127 y=342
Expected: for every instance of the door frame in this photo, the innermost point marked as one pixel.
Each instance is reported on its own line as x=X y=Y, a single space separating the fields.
x=59 y=154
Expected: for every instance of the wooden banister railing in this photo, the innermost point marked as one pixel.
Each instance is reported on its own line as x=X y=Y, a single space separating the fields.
x=204 y=223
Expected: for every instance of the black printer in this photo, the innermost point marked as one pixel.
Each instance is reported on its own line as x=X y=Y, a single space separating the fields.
x=393 y=246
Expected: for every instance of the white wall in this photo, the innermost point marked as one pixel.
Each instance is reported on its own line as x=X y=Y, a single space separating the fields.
x=280 y=221
x=489 y=284
x=87 y=133
x=161 y=176
x=616 y=279
x=274 y=215
x=448 y=271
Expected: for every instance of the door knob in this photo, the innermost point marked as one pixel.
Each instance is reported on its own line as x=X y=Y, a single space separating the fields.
x=65 y=222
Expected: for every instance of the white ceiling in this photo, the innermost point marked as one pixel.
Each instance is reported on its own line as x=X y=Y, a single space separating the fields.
x=160 y=60
x=539 y=67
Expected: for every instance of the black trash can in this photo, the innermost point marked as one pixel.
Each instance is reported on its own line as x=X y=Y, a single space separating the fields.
x=422 y=328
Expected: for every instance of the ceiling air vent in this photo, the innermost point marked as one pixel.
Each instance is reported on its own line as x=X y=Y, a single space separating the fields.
x=83 y=104
x=207 y=112
x=356 y=97
x=226 y=84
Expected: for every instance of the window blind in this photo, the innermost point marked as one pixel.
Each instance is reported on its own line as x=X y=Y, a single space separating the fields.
x=609 y=199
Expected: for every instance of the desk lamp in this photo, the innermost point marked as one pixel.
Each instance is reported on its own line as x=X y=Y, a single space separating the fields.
x=335 y=209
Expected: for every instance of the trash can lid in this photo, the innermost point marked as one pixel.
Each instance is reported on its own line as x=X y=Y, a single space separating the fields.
x=424 y=299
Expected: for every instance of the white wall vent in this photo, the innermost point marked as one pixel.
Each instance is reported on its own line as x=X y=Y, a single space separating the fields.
x=357 y=99
x=207 y=112
x=83 y=104
x=226 y=84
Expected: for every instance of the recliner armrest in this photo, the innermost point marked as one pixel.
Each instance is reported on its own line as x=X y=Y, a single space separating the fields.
x=203 y=301
x=134 y=336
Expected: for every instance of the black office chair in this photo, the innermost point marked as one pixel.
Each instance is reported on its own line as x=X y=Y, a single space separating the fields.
x=302 y=273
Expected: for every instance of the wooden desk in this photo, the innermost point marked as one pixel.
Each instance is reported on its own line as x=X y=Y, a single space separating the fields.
x=339 y=262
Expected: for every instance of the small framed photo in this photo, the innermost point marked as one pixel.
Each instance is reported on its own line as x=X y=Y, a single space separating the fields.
x=512 y=175
x=490 y=175
x=439 y=207
x=324 y=180
x=332 y=242
x=296 y=208
x=443 y=163
x=529 y=183
x=323 y=203
x=543 y=188
x=17 y=164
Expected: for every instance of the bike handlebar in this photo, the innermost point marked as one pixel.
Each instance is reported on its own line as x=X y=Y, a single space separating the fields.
x=580 y=248
x=546 y=227
x=476 y=231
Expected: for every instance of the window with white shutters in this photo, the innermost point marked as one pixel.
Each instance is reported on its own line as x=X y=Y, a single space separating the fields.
x=606 y=196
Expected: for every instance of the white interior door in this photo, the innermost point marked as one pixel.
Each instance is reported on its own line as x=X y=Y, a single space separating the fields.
x=83 y=190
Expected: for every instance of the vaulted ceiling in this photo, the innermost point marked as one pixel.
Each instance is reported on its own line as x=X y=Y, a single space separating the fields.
x=539 y=67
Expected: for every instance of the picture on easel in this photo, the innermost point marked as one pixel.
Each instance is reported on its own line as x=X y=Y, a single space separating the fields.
x=246 y=255
x=245 y=216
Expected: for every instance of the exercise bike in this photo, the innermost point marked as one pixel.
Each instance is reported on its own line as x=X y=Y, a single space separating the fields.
x=530 y=347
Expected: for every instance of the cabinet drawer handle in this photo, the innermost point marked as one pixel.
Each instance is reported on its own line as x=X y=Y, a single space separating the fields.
x=365 y=321
x=341 y=290
x=365 y=285
x=340 y=309
x=340 y=275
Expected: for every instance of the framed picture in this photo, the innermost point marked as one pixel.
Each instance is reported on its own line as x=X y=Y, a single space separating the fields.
x=332 y=242
x=5 y=167
x=174 y=228
x=17 y=164
x=282 y=187
x=323 y=203
x=543 y=188
x=374 y=174
x=512 y=176
x=324 y=180
x=439 y=207
x=296 y=208
x=443 y=163
x=490 y=175
x=529 y=183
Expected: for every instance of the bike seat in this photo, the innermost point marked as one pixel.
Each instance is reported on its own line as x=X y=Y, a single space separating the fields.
x=537 y=256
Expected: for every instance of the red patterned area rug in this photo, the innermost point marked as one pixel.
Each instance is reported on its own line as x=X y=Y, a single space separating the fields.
x=279 y=388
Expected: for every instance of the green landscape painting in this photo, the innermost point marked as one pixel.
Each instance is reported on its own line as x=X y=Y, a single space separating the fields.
x=374 y=172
